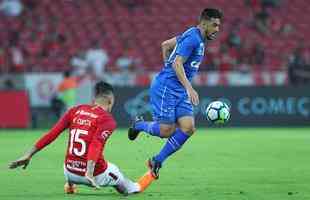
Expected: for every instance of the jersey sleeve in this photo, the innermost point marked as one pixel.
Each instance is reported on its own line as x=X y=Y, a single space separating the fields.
x=186 y=46
x=56 y=130
x=104 y=130
x=178 y=38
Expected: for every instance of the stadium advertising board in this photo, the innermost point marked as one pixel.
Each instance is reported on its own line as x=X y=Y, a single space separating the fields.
x=250 y=106
x=42 y=87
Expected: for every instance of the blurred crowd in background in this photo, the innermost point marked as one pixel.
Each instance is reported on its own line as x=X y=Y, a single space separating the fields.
x=120 y=37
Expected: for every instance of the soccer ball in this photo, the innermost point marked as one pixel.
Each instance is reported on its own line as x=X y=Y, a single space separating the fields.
x=218 y=112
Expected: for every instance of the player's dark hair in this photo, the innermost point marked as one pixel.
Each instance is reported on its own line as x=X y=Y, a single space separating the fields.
x=209 y=13
x=103 y=88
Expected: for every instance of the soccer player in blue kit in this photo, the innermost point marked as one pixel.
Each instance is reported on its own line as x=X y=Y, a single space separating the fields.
x=171 y=93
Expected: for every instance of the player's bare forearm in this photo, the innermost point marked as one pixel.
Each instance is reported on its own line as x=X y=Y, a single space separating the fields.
x=90 y=168
x=40 y=144
x=180 y=72
x=32 y=151
x=25 y=159
x=89 y=175
x=167 y=46
x=166 y=53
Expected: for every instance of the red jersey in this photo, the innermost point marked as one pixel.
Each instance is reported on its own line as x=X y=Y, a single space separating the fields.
x=89 y=128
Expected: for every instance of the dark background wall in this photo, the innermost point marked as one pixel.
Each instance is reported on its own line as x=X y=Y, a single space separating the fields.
x=250 y=106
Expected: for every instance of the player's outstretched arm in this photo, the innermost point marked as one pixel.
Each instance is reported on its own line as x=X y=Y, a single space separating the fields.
x=167 y=46
x=57 y=129
x=24 y=160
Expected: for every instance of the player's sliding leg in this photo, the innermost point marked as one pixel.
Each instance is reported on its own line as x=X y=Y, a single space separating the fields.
x=126 y=186
x=145 y=181
x=114 y=177
x=173 y=144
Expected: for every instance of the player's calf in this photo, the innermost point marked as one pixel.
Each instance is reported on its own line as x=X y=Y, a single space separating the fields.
x=153 y=128
x=173 y=144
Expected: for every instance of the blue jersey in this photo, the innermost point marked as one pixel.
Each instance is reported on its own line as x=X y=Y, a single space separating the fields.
x=190 y=45
x=168 y=97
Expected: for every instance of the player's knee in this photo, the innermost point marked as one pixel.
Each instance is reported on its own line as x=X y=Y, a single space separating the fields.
x=166 y=130
x=190 y=129
x=187 y=125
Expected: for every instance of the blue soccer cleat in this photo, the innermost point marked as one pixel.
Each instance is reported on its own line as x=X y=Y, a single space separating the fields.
x=154 y=166
x=132 y=132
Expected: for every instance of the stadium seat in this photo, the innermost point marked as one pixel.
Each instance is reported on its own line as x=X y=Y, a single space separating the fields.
x=146 y=26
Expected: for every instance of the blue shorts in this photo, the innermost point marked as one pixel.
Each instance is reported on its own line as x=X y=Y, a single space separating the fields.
x=169 y=105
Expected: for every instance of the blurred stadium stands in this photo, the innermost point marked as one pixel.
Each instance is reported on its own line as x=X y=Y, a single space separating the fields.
x=255 y=36
x=262 y=43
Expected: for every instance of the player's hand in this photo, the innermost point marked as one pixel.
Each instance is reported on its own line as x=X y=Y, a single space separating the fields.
x=193 y=95
x=92 y=181
x=23 y=161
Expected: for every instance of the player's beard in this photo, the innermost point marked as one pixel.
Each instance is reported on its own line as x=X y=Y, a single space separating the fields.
x=212 y=36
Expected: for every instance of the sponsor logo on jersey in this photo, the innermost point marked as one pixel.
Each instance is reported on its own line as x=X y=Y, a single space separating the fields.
x=75 y=168
x=82 y=112
x=195 y=64
x=76 y=165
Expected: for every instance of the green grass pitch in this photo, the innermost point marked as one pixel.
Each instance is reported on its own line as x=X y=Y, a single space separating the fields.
x=216 y=164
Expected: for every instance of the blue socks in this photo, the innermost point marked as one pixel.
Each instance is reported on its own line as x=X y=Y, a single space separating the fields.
x=174 y=143
x=151 y=128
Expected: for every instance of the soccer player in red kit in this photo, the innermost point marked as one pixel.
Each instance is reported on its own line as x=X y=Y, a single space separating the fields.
x=89 y=127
